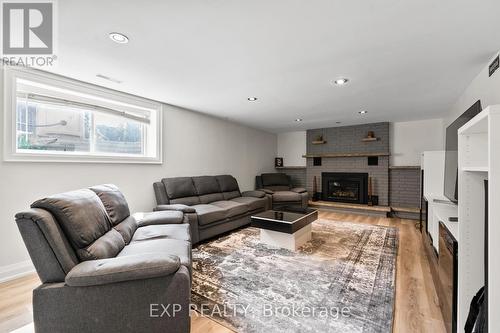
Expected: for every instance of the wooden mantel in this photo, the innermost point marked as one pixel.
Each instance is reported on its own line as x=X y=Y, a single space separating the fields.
x=334 y=155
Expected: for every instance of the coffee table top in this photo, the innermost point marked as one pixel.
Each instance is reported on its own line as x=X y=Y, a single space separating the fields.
x=287 y=220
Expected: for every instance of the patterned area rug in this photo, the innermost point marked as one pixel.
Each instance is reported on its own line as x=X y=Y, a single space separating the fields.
x=341 y=281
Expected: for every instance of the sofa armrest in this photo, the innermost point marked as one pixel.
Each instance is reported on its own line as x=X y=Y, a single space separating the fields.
x=299 y=190
x=255 y=194
x=119 y=269
x=178 y=207
x=266 y=191
x=159 y=217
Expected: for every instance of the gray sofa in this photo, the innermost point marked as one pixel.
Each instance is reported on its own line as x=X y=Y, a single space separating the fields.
x=104 y=270
x=279 y=186
x=213 y=204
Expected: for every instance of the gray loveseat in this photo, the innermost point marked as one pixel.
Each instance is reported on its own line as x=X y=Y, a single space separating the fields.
x=213 y=204
x=104 y=270
x=279 y=186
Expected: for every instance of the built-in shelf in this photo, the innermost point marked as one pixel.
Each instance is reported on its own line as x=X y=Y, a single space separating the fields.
x=370 y=139
x=405 y=167
x=333 y=155
x=475 y=169
x=479 y=160
x=291 y=167
x=318 y=142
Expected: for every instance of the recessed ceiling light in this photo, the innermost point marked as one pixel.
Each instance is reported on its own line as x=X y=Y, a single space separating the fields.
x=341 y=81
x=252 y=99
x=118 y=38
x=298 y=119
x=363 y=112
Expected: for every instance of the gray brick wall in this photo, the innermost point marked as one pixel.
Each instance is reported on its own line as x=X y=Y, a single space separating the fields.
x=404 y=187
x=348 y=139
x=379 y=173
x=298 y=176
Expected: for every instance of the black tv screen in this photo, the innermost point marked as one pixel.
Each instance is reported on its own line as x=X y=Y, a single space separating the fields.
x=451 y=156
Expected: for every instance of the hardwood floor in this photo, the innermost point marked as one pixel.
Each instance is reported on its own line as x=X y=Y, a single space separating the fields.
x=416 y=304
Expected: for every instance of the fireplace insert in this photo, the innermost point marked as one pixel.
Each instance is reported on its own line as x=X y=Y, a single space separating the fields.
x=348 y=187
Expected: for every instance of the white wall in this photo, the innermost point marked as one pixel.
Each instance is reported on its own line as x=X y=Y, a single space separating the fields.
x=194 y=144
x=291 y=146
x=410 y=138
x=482 y=87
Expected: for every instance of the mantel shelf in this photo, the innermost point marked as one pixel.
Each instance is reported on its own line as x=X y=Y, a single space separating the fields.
x=290 y=167
x=404 y=167
x=334 y=155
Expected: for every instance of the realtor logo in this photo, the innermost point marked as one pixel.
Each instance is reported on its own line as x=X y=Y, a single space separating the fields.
x=28 y=28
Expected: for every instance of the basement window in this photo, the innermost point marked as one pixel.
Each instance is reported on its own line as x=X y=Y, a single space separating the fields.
x=57 y=119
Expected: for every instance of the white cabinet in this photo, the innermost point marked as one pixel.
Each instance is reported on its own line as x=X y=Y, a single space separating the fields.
x=440 y=208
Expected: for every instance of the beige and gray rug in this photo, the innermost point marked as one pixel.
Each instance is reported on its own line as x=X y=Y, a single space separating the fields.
x=341 y=281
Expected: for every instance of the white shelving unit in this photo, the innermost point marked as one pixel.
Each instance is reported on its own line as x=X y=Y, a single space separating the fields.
x=440 y=208
x=478 y=160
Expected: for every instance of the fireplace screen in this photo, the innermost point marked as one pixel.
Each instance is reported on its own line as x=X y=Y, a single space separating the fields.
x=344 y=190
x=345 y=187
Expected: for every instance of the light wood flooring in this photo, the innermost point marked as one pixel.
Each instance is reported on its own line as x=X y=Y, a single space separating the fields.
x=416 y=306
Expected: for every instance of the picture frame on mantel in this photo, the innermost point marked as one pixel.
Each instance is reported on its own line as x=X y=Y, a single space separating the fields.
x=278 y=162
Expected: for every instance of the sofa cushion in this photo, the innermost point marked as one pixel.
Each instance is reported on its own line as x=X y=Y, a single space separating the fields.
x=286 y=196
x=209 y=213
x=173 y=231
x=227 y=183
x=230 y=195
x=298 y=190
x=232 y=208
x=106 y=246
x=159 y=217
x=277 y=188
x=208 y=198
x=206 y=185
x=270 y=179
x=126 y=228
x=80 y=213
x=252 y=202
x=189 y=201
x=114 y=202
x=180 y=248
x=179 y=187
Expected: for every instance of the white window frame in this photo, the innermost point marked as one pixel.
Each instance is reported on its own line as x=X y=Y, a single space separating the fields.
x=11 y=74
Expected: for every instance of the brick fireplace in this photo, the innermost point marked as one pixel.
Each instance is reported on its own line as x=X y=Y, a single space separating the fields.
x=346 y=150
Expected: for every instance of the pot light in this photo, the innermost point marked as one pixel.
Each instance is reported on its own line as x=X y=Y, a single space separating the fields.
x=252 y=99
x=298 y=119
x=341 y=81
x=363 y=112
x=118 y=38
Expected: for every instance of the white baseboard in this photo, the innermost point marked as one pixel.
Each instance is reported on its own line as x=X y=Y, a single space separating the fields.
x=16 y=270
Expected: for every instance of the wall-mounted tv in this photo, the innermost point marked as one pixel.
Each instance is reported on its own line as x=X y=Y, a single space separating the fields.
x=451 y=156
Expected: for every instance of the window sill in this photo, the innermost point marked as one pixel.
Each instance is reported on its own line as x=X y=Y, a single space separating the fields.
x=55 y=158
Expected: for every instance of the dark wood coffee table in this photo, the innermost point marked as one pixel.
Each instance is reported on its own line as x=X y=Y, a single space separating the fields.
x=288 y=227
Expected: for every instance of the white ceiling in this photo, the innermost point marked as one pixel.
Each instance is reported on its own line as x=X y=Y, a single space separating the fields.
x=406 y=59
